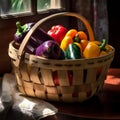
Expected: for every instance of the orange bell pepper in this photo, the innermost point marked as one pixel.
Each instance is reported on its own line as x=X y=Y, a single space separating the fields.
x=82 y=35
x=71 y=32
x=84 y=43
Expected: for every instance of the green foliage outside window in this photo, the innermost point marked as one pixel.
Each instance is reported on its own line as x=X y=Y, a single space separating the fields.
x=14 y=6
x=43 y=4
x=20 y=5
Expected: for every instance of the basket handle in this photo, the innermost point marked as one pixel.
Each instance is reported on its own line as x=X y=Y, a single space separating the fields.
x=27 y=37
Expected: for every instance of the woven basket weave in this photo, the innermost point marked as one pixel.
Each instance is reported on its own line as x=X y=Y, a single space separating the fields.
x=58 y=80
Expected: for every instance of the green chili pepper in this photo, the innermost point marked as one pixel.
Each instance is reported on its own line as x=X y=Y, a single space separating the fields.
x=73 y=51
x=102 y=46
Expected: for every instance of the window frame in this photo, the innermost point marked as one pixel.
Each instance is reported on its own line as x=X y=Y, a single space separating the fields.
x=35 y=12
x=33 y=15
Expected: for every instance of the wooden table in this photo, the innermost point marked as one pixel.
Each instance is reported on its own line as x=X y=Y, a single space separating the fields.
x=105 y=105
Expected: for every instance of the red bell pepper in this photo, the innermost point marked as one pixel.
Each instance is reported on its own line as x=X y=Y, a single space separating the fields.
x=57 y=32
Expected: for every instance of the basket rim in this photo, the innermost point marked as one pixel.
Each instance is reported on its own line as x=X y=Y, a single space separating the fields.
x=67 y=60
x=42 y=62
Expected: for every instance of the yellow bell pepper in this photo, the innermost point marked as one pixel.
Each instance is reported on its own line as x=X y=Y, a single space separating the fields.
x=102 y=53
x=107 y=50
x=65 y=42
x=93 y=50
x=68 y=39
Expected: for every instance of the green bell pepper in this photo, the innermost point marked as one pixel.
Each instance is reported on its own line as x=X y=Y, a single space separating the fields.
x=73 y=51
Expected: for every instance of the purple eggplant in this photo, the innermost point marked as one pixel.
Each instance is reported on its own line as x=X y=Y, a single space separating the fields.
x=22 y=31
x=49 y=49
x=38 y=37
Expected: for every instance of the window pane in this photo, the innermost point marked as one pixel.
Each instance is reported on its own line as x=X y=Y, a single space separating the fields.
x=43 y=4
x=14 y=6
x=55 y=4
x=48 y=4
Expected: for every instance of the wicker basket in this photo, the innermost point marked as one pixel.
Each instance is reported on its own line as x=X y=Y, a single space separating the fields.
x=58 y=80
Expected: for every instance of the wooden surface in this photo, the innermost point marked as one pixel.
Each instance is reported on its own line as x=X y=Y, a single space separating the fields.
x=105 y=105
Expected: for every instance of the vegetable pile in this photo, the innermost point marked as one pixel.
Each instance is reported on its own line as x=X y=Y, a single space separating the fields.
x=60 y=43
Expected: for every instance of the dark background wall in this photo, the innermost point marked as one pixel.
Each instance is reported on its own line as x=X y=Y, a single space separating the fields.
x=114 y=30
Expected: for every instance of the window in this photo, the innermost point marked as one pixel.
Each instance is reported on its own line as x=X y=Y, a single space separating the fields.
x=11 y=7
x=26 y=11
